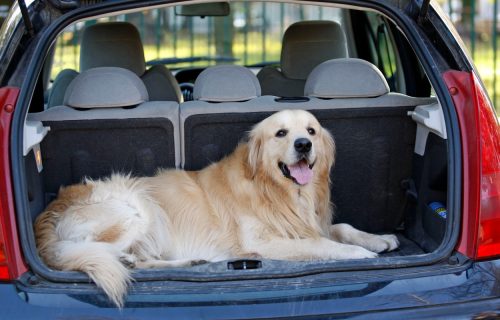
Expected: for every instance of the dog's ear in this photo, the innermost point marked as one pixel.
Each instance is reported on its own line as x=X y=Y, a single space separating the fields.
x=326 y=159
x=254 y=150
x=327 y=156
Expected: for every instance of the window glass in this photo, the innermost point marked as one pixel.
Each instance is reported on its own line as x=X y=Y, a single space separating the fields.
x=250 y=35
x=383 y=49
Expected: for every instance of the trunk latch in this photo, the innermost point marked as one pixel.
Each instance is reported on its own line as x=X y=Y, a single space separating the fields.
x=244 y=264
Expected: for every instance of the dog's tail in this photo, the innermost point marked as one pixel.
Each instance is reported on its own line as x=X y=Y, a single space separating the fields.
x=101 y=261
x=46 y=222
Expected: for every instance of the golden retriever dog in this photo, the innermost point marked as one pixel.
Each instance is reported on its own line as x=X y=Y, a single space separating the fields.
x=270 y=198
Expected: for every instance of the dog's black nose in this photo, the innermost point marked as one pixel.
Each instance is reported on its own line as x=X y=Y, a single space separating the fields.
x=303 y=145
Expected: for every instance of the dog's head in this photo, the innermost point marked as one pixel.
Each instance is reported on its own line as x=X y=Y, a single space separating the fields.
x=291 y=147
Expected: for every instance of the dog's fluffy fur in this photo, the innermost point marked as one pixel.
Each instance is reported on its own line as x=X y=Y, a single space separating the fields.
x=247 y=205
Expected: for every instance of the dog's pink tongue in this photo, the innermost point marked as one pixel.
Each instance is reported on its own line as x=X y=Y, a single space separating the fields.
x=301 y=172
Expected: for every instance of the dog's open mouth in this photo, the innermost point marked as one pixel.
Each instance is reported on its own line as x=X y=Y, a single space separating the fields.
x=301 y=172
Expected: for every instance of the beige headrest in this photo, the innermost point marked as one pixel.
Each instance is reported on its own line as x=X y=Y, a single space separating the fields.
x=308 y=43
x=226 y=83
x=112 y=44
x=346 y=78
x=105 y=87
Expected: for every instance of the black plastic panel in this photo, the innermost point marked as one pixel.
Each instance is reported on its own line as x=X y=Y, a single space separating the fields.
x=423 y=225
x=74 y=150
x=374 y=154
x=210 y=137
x=36 y=189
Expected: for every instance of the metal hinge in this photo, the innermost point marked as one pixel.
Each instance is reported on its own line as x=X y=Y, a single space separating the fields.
x=26 y=17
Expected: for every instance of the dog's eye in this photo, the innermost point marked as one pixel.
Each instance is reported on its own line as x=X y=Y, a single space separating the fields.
x=281 y=133
x=311 y=131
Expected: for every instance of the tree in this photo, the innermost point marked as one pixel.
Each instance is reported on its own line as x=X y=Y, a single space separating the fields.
x=224 y=34
x=468 y=8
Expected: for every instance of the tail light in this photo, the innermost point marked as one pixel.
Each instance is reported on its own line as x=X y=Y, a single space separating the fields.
x=480 y=133
x=489 y=214
x=11 y=263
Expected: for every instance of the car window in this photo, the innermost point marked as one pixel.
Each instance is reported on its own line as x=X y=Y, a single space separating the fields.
x=4 y=11
x=250 y=35
x=383 y=50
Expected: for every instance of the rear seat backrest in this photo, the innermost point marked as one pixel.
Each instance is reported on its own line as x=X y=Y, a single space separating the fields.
x=374 y=135
x=212 y=125
x=118 y=44
x=59 y=86
x=107 y=125
x=227 y=104
x=305 y=45
x=375 y=139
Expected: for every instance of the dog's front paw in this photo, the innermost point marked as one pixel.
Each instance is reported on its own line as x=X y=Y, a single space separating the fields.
x=383 y=243
x=355 y=252
x=128 y=260
x=392 y=240
x=198 y=262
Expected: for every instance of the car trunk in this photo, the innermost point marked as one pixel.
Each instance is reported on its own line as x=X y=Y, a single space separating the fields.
x=379 y=184
x=391 y=176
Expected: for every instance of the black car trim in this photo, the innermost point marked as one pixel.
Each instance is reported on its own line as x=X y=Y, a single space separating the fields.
x=32 y=283
x=416 y=37
x=341 y=296
x=26 y=17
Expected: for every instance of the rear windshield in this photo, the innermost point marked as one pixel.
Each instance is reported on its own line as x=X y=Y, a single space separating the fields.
x=250 y=35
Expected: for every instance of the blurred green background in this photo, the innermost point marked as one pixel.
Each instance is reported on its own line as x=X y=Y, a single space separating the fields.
x=477 y=21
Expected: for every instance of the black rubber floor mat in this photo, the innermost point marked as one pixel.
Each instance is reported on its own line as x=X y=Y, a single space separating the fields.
x=406 y=248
